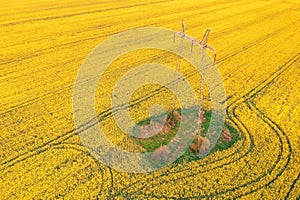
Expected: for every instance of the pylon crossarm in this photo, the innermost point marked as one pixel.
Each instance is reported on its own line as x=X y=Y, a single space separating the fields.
x=183 y=35
x=196 y=42
x=214 y=52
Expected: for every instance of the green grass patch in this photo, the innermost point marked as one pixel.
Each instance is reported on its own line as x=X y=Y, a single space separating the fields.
x=154 y=142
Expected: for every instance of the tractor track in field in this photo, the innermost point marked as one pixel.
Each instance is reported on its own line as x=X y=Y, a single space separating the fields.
x=262 y=163
x=283 y=140
x=53 y=49
x=80 y=13
x=107 y=113
x=160 y=23
x=248 y=97
x=248 y=46
x=82 y=149
x=105 y=10
x=256 y=10
x=96 y=167
x=233 y=117
x=292 y=187
x=276 y=128
x=270 y=123
x=279 y=133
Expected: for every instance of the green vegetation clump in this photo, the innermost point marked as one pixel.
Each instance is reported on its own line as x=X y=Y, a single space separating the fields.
x=171 y=127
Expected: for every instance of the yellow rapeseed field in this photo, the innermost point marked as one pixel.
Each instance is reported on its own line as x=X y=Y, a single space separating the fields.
x=43 y=44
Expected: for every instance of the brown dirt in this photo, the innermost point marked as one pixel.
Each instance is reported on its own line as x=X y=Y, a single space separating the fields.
x=156 y=127
x=226 y=135
x=200 y=144
x=161 y=154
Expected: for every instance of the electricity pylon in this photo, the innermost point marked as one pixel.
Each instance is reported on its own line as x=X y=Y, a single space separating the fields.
x=204 y=46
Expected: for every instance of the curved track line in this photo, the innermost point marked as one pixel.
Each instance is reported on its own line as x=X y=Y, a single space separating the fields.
x=110 y=111
x=248 y=96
